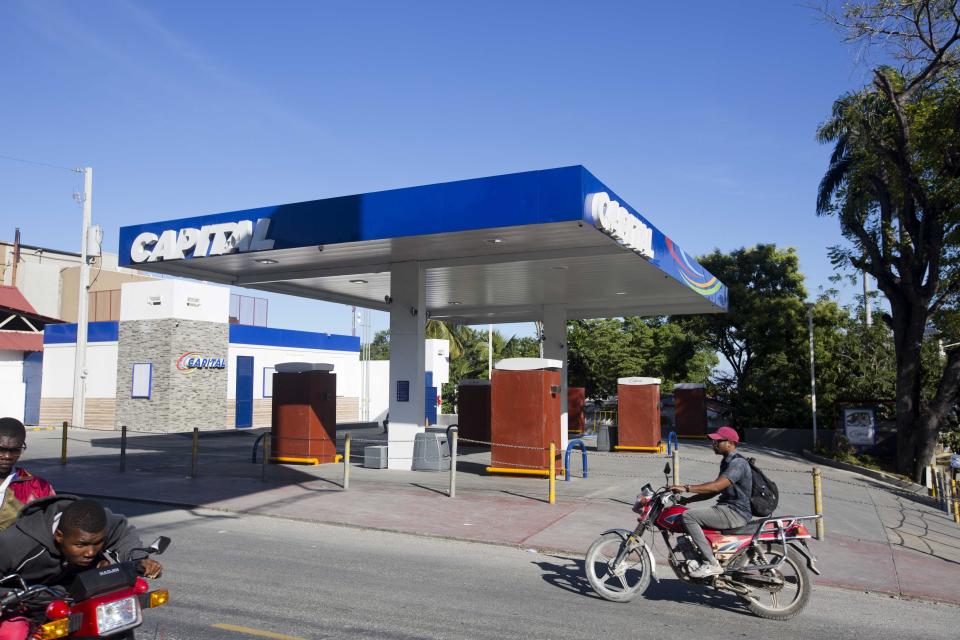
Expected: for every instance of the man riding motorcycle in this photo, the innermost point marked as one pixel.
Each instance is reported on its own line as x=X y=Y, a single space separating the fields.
x=733 y=485
x=56 y=538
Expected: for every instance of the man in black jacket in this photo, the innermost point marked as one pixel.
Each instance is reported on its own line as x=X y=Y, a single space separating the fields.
x=55 y=538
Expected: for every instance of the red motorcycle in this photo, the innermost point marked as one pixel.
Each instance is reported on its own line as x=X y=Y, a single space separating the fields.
x=105 y=602
x=765 y=561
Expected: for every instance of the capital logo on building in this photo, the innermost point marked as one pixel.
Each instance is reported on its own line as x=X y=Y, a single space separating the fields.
x=192 y=361
x=617 y=222
x=209 y=240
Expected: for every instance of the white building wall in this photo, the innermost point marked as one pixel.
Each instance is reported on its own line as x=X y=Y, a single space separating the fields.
x=58 y=360
x=12 y=388
x=159 y=299
x=346 y=365
x=379 y=389
x=40 y=285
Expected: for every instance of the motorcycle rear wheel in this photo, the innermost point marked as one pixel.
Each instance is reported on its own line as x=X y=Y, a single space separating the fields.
x=791 y=597
x=620 y=583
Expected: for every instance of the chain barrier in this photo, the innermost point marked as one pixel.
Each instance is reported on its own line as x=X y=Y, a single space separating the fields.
x=507 y=446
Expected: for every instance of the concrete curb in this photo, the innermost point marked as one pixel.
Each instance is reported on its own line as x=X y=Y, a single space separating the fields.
x=870 y=473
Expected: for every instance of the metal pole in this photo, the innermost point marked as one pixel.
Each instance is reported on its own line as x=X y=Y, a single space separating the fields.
x=123 y=448
x=489 y=351
x=80 y=354
x=453 y=462
x=195 y=453
x=956 y=502
x=866 y=300
x=676 y=467
x=552 y=495
x=818 y=501
x=346 y=461
x=266 y=458
x=813 y=376
x=63 y=444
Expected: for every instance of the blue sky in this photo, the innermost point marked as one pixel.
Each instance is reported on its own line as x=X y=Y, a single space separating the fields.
x=701 y=118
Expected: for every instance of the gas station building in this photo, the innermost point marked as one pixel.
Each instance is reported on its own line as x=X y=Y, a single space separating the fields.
x=549 y=246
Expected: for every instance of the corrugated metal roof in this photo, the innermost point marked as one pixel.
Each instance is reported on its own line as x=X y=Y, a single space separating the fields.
x=11 y=298
x=16 y=341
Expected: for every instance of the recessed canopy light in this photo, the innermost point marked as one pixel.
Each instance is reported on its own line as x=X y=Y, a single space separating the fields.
x=266 y=261
x=358 y=281
x=494 y=240
x=621 y=293
x=452 y=302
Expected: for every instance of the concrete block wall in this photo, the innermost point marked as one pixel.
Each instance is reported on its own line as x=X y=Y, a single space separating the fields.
x=180 y=400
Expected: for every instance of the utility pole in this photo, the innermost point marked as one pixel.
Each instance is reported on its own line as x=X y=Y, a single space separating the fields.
x=866 y=299
x=80 y=355
x=489 y=351
x=813 y=377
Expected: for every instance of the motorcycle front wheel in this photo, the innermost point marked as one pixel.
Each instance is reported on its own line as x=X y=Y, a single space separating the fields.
x=617 y=581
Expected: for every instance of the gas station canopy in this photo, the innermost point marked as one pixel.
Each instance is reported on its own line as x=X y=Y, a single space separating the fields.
x=492 y=250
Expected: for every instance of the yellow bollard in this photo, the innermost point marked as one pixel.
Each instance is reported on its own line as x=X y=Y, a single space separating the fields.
x=932 y=476
x=552 y=498
x=818 y=502
x=956 y=502
x=63 y=444
x=266 y=457
x=346 y=461
x=195 y=452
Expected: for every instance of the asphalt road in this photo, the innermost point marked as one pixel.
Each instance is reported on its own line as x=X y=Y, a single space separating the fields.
x=241 y=577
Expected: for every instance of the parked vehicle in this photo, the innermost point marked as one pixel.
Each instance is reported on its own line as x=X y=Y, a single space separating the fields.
x=104 y=602
x=765 y=561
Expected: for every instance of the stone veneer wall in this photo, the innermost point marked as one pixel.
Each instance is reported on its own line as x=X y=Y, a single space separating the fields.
x=179 y=400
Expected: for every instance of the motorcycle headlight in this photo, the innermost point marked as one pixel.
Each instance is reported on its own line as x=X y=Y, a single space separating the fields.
x=118 y=615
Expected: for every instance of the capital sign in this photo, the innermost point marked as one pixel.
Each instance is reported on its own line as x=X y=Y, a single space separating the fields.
x=617 y=222
x=208 y=240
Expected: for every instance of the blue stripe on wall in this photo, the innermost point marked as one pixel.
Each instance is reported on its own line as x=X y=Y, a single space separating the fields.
x=267 y=336
x=67 y=333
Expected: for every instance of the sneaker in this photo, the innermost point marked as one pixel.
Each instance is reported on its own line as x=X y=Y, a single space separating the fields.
x=707 y=570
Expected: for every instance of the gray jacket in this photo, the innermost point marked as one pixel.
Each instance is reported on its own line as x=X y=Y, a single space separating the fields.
x=28 y=549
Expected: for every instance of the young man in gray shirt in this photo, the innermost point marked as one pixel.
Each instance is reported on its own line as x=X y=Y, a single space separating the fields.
x=733 y=485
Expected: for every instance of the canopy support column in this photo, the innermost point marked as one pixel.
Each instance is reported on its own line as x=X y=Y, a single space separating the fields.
x=555 y=347
x=408 y=317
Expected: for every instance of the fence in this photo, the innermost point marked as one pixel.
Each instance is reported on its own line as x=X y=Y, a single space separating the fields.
x=192 y=455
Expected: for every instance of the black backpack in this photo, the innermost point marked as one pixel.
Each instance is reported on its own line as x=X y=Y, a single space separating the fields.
x=764 y=496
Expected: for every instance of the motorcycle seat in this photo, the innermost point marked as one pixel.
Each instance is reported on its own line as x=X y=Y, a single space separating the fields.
x=746 y=530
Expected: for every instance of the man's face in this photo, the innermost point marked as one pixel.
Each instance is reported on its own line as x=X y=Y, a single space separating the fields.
x=80 y=548
x=722 y=447
x=10 y=450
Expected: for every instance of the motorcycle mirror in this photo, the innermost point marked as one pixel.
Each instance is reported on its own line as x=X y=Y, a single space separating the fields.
x=159 y=545
x=666 y=469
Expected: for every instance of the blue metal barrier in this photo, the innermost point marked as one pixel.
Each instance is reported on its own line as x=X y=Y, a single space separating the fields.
x=566 y=457
x=256 y=443
x=672 y=442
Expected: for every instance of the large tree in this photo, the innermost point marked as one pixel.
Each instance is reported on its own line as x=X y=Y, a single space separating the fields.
x=894 y=184
x=762 y=336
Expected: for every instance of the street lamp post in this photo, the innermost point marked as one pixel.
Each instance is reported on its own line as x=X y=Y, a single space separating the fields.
x=813 y=377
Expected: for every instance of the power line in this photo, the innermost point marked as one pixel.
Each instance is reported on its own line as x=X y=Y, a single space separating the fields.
x=41 y=164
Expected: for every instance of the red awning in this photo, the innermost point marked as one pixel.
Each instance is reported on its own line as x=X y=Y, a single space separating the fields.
x=15 y=341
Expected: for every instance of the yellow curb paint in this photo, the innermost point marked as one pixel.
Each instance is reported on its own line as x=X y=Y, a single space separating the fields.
x=255 y=632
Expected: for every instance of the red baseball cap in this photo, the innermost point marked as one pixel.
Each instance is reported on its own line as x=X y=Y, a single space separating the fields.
x=725 y=433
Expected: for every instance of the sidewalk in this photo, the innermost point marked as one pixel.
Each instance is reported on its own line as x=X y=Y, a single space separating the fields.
x=878 y=538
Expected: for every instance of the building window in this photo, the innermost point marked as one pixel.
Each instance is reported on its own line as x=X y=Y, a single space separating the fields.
x=268 y=382
x=142 y=380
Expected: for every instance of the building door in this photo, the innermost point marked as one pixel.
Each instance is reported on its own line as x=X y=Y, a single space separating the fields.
x=32 y=375
x=244 y=392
